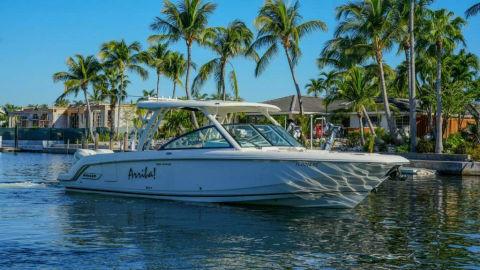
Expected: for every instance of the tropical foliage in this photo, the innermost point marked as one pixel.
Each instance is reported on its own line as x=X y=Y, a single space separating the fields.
x=279 y=27
x=122 y=57
x=227 y=43
x=175 y=67
x=82 y=73
x=438 y=76
x=187 y=21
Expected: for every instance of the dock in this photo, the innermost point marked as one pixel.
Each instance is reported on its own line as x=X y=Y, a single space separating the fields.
x=448 y=164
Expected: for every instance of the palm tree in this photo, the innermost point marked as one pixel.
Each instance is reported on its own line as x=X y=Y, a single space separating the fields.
x=459 y=73
x=279 y=25
x=360 y=91
x=331 y=81
x=315 y=87
x=442 y=33
x=146 y=94
x=175 y=67
x=82 y=72
x=473 y=10
x=109 y=86
x=155 y=57
x=124 y=57
x=188 y=21
x=227 y=43
x=62 y=102
x=370 y=27
x=405 y=37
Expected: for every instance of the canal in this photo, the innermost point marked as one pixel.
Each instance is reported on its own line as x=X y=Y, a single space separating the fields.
x=417 y=223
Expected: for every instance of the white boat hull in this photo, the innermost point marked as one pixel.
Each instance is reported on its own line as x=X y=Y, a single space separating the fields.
x=254 y=180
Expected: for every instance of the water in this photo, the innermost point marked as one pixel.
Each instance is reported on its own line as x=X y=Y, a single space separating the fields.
x=412 y=224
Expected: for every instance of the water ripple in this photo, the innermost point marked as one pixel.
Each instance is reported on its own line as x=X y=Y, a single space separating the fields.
x=413 y=224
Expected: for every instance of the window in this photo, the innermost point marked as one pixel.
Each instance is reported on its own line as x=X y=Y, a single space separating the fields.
x=23 y=121
x=74 y=120
x=289 y=138
x=207 y=137
x=35 y=120
x=271 y=135
x=402 y=121
x=247 y=136
x=43 y=120
x=97 y=119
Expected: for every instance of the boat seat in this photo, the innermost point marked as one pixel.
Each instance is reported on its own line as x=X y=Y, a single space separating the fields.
x=80 y=153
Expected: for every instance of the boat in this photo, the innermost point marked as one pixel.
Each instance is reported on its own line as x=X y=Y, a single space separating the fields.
x=228 y=162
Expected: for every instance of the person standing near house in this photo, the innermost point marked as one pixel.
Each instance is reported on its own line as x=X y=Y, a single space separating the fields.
x=294 y=129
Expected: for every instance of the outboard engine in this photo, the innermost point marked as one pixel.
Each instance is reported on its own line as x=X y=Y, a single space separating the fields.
x=333 y=134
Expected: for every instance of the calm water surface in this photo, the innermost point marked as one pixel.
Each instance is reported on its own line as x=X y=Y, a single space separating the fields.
x=412 y=224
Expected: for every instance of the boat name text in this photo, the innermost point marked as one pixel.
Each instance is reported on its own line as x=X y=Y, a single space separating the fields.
x=144 y=173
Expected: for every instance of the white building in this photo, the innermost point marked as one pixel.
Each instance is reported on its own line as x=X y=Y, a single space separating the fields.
x=72 y=116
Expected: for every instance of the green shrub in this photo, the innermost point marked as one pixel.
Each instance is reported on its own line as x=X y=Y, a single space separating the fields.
x=353 y=139
x=104 y=137
x=455 y=144
x=370 y=144
x=403 y=148
x=425 y=146
x=383 y=135
x=474 y=152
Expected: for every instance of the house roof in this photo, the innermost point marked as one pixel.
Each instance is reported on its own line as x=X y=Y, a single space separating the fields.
x=311 y=105
x=316 y=105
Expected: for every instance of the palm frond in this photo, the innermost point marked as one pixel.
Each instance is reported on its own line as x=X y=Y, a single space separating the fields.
x=473 y=10
x=265 y=59
x=205 y=71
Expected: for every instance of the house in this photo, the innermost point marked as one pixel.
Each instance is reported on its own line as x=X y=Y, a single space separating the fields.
x=339 y=112
x=3 y=116
x=73 y=116
x=289 y=106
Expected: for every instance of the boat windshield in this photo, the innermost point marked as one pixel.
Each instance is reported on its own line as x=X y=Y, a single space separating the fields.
x=206 y=137
x=248 y=135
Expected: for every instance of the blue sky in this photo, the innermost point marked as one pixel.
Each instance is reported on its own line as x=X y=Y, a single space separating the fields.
x=36 y=37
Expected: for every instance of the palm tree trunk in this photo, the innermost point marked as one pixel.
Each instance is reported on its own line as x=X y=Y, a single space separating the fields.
x=89 y=113
x=119 y=101
x=158 y=82
x=383 y=88
x=297 y=88
x=174 y=88
x=187 y=76
x=412 y=91
x=112 y=116
x=369 y=121
x=360 y=122
x=430 y=118
x=438 y=115
x=222 y=82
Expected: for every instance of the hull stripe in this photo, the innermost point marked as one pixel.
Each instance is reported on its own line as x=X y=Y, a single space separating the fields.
x=213 y=195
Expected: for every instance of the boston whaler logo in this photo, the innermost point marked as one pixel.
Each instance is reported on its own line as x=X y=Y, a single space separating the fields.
x=91 y=176
x=144 y=173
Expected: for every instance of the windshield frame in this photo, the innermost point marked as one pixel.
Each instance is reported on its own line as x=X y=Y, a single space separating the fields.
x=163 y=147
x=273 y=128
